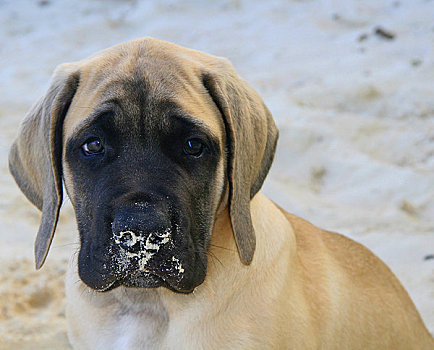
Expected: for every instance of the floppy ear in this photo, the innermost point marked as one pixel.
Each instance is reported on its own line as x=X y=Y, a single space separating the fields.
x=35 y=156
x=251 y=143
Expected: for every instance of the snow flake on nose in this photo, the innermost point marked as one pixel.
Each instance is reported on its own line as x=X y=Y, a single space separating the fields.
x=134 y=246
x=145 y=249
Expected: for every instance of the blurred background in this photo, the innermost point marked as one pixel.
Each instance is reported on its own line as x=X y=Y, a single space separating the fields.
x=350 y=85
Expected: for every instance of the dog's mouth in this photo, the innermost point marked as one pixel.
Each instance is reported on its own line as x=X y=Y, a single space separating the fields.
x=147 y=269
x=145 y=280
x=138 y=279
x=135 y=262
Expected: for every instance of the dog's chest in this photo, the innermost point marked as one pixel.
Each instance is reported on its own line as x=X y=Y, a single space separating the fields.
x=136 y=331
x=124 y=320
x=116 y=327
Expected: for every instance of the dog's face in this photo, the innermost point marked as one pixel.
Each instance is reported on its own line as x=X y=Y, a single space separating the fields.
x=145 y=176
x=151 y=140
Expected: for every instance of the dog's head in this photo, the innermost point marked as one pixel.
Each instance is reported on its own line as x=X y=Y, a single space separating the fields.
x=151 y=140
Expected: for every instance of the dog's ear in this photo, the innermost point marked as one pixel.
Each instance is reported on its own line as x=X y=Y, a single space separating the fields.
x=251 y=142
x=35 y=156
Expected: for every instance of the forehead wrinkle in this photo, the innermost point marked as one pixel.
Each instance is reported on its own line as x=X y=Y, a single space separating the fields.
x=106 y=107
x=130 y=97
x=169 y=109
x=198 y=123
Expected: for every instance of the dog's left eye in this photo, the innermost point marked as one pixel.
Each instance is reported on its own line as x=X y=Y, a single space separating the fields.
x=194 y=147
x=93 y=146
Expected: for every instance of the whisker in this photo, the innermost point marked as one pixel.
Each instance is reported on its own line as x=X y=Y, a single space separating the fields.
x=212 y=259
x=212 y=255
x=217 y=246
x=65 y=245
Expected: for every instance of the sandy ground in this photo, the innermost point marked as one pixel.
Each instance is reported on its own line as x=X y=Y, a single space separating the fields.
x=355 y=110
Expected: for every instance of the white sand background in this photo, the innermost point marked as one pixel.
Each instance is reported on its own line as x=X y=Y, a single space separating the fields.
x=355 y=112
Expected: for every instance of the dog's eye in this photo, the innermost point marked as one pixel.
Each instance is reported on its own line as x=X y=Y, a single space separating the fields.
x=194 y=147
x=93 y=146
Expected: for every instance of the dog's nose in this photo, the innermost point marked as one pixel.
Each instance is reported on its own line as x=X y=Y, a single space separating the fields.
x=137 y=229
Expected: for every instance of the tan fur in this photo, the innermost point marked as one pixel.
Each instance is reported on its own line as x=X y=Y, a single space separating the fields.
x=295 y=286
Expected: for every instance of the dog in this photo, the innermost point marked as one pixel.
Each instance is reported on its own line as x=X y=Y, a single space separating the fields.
x=162 y=151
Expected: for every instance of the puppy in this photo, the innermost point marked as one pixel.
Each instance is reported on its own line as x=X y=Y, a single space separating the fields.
x=162 y=151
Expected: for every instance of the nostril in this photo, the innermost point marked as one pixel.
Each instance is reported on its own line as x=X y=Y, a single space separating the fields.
x=162 y=234
x=126 y=239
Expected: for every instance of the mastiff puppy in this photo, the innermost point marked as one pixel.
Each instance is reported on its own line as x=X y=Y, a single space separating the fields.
x=162 y=151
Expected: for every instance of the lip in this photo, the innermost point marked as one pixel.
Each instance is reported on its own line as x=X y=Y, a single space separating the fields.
x=138 y=279
x=110 y=287
x=144 y=280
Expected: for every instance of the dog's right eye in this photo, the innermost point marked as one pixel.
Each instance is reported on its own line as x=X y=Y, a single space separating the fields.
x=93 y=146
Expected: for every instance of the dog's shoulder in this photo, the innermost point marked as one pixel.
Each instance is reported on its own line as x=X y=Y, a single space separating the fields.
x=350 y=255
x=333 y=265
